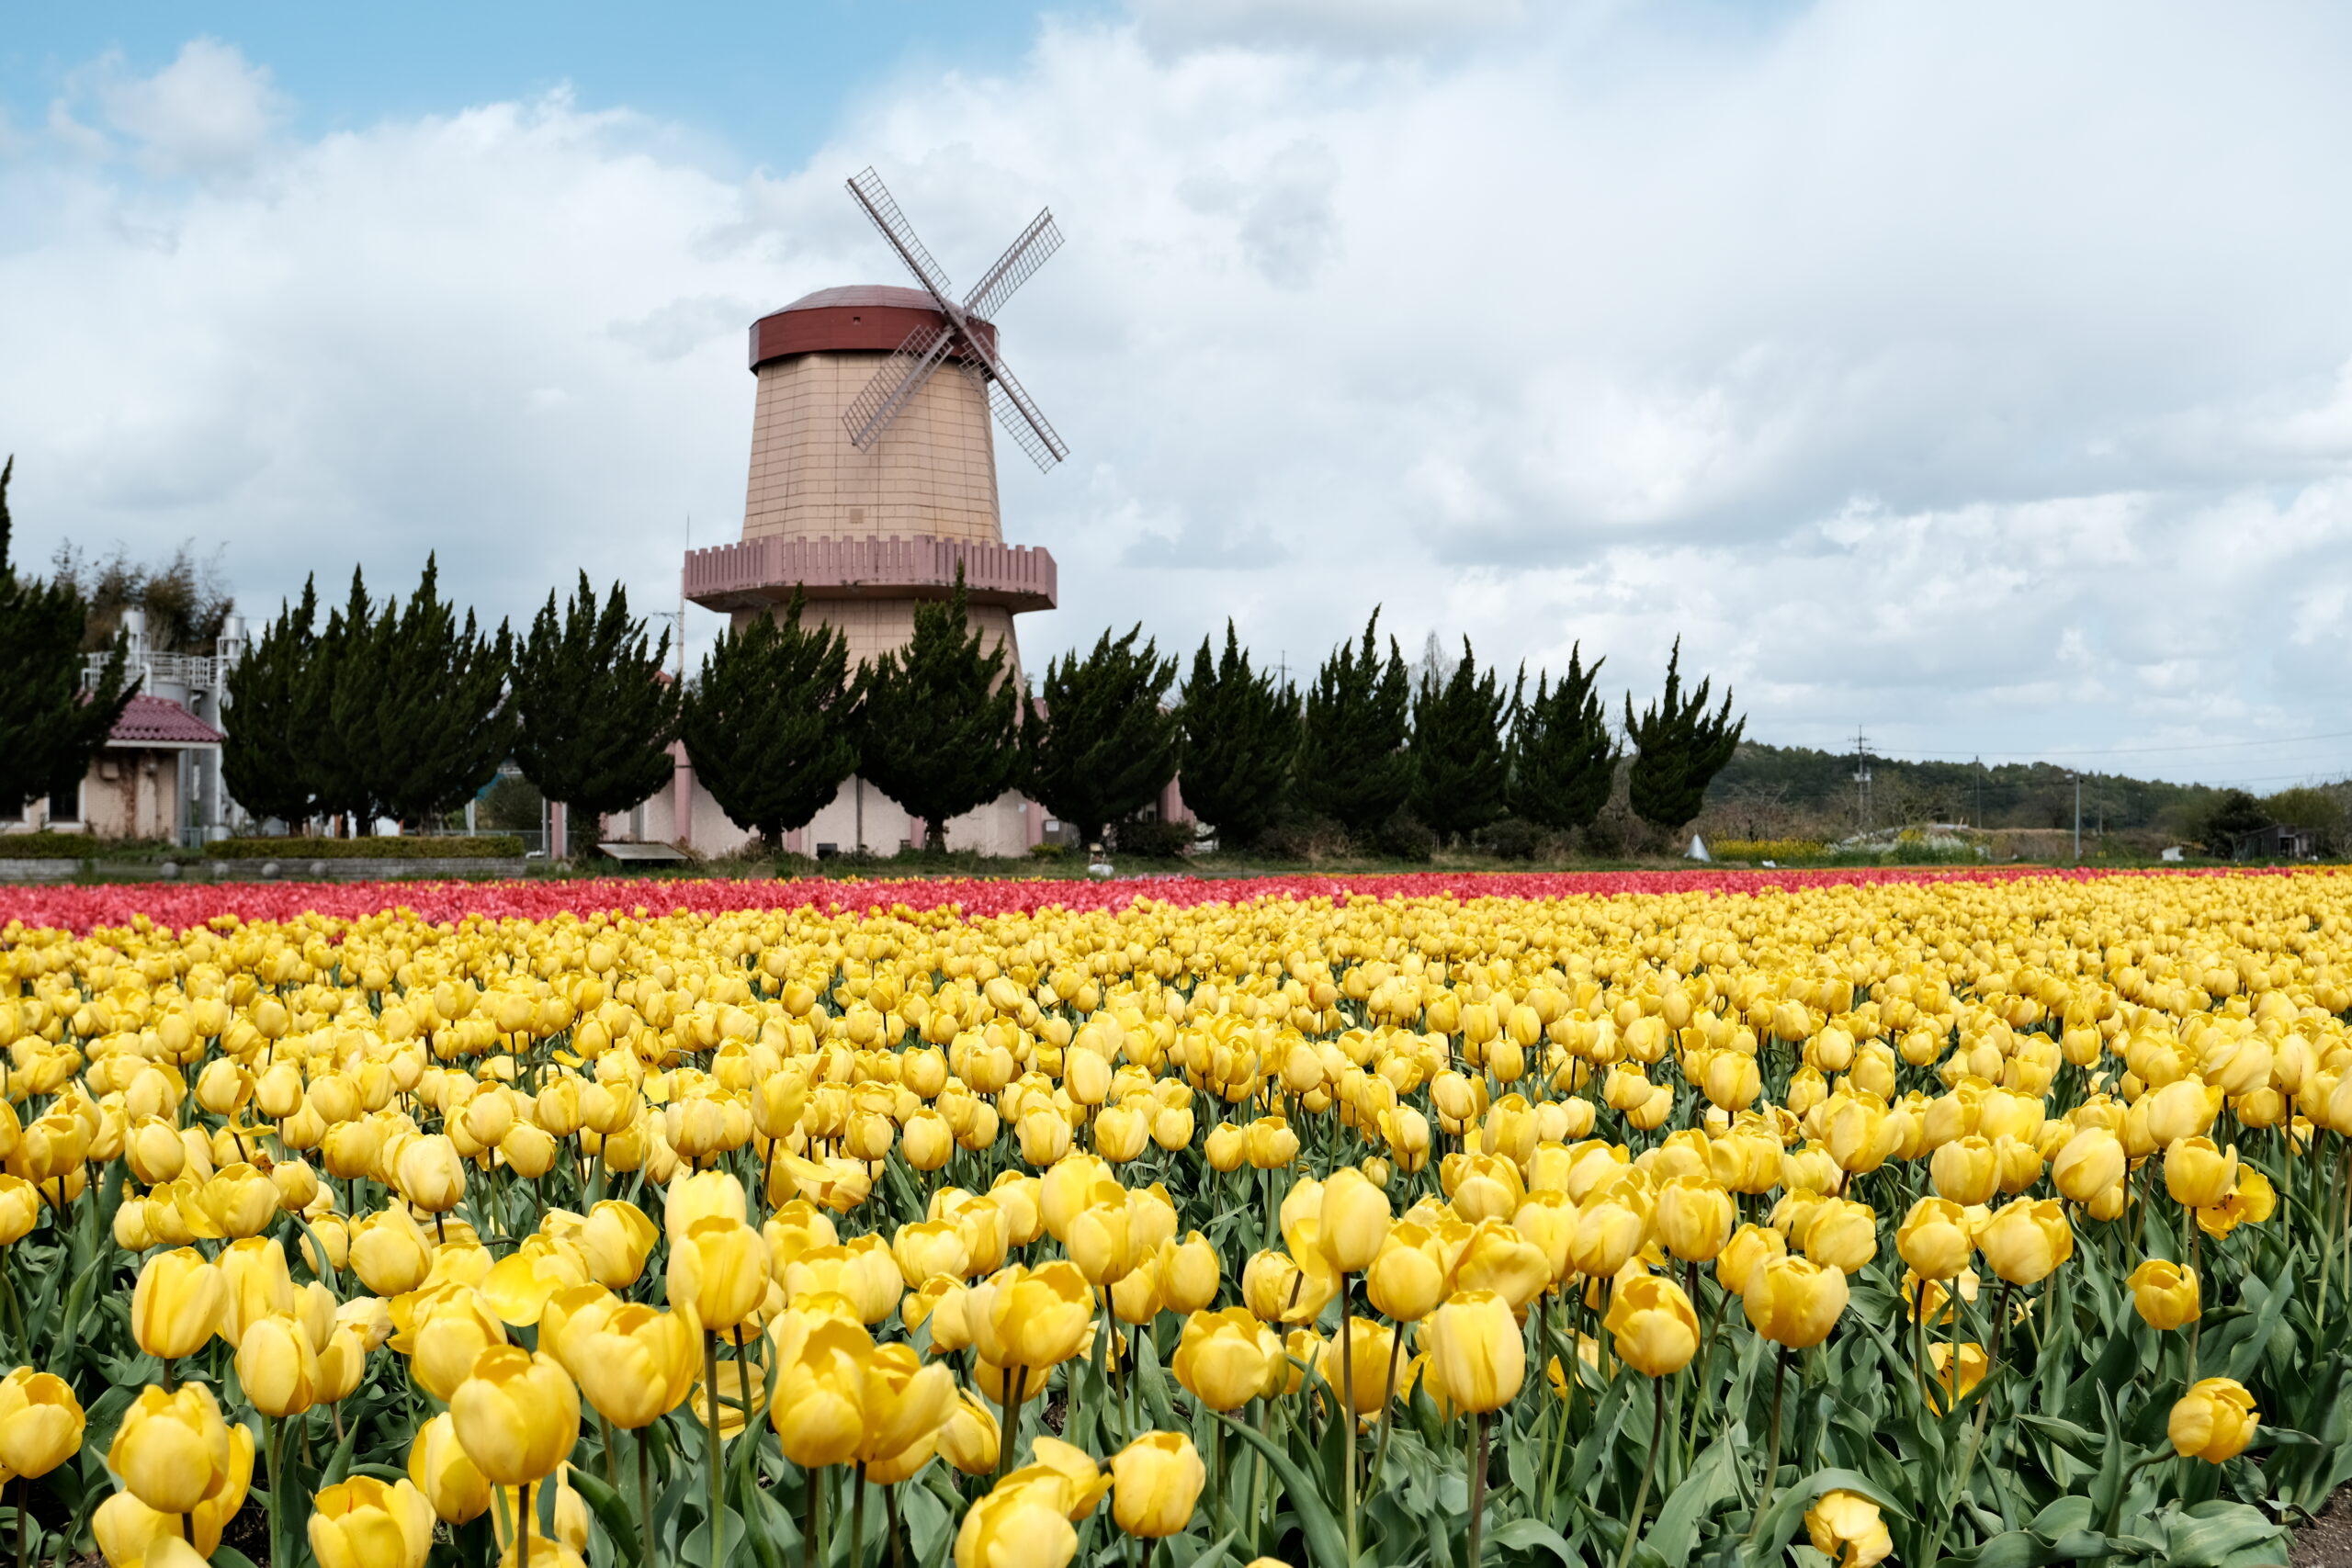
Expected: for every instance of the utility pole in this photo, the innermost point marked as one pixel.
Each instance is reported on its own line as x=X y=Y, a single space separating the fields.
x=2078 y=818
x=1863 y=776
x=1980 y=794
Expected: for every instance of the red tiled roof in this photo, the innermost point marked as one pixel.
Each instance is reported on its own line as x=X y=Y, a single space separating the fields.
x=157 y=721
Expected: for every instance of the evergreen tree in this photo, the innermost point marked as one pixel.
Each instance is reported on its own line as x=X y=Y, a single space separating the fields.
x=771 y=724
x=50 y=727
x=1240 y=733
x=596 y=712
x=2236 y=813
x=942 y=730
x=1563 y=761
x=1353 y=763
x=269 y=760
x=417 y=719
x=339 y=756
x=1103 y=745
x=1678 y=747
x=1457 y=747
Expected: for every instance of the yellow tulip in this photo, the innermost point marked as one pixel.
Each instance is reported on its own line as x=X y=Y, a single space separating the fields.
x=1015 y=1526
x=1361 y=1376
x=1354 y=1221
x=1749 y=1247
x=1406 y=1280
x=430 y=1175
x=2166 y=1293
x=2091 y=1162
x=518 y=1415
x=2198 y=1175
x=2026 y=1239
x=40 y=1422
x=1654 y=1325
x=177 y=1304
x=170 y=1448
x=719 y=1269
x=1476 y=1357
x=1966 y=1170
x=1842 y=1234
x=366 y=1523
x=1793 y=1302
x=1694 y=1218
x=1847 y=1528
x=1974 y=1365
x=636 y=1364
x=447 y=1477
x=1188 y=1273
x=1156 y=1482
x=2214 y=1421
x=450 y=1328
x=1031 y=1318
x=818 y=1409
x=906 y=1408
x=1225 y=1358
x=969 y=1438
x=275 y=1366
x=389 y=1253
x=1934 y=1238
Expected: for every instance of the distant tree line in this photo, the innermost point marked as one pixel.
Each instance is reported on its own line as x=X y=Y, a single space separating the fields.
x=779 y=718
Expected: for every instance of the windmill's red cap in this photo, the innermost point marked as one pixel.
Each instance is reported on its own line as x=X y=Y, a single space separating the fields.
x=860 y=319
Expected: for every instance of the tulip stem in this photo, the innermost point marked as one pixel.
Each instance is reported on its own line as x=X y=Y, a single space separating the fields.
x=811 y=1552
x=523 y=1522
x=1650 y=1463
x=1348 y=1413
x=1477 y=1492
x=1388 y=1409
x=857 y=1516
x=710 y=1458
x=2196 y=1237
x=1772 y=1448
x=645 y=1496
x=272 y=1434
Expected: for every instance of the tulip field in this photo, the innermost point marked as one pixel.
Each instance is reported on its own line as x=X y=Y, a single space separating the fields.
x=1986 y=1218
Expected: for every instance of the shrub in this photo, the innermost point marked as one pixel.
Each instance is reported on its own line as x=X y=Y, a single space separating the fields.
x=1405 y=836
x=493 y=846
x=1303 y=836
x=1154 y=839
x=1783 y=850
x=1512 y=838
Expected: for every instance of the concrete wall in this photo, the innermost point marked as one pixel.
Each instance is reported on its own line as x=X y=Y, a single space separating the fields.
x=1006 y=825
x=132 y=793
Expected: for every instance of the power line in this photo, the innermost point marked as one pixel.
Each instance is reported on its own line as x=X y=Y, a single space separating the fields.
x=2139 y=750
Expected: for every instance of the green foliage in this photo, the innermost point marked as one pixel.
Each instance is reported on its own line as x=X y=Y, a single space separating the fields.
x=1103 y=744
x=269 y=758
x=1240 y=735
x=416 y=718
x=1457 y=750
x=2234 y=813
x=596 y=714
x=771 y=724
x=1678 y=747
x=1353 y=766
x=2321 y=810
x=1563 y=761
x=941 y=731
x=477 y=846
x=183 y=599
x=1786 y=786
x=53 y=728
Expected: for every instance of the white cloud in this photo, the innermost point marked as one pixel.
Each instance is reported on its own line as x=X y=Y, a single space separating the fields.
x=208 y=112
x=1981 y=375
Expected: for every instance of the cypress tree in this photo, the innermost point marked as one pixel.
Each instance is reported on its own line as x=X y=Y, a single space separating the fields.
x=1240 y=733
x=1457 y=750
x=50 y=727
x=595 y=713
x=1352 y=762
x=269 y=760
x=1678 y=747
x=339 y=765
x=1563 y=759
x=1104 y=745
x=417 y=719
x=942 y=730
x=771 y=724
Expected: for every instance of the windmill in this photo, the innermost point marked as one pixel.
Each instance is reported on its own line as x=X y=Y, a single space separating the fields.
x=929 y=346
x=872 y=487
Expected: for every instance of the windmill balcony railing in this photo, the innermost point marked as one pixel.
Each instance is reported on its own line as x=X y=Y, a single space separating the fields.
x=767 y=571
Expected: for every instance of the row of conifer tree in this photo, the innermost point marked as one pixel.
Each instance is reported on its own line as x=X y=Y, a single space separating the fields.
x=404 y=709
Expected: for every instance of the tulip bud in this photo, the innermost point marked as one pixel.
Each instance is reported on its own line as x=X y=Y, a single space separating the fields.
x=2214 y=1421
x=2166 y=1294
x=40 y=1423
x=1476 y=1358
x=1156 y=1482
x=518 y=1415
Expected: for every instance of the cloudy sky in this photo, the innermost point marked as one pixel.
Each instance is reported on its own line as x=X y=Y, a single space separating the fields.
x=1977 y=374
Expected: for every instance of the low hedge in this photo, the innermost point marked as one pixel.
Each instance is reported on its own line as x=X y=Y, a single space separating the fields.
x=496 y=846
x=79 y=846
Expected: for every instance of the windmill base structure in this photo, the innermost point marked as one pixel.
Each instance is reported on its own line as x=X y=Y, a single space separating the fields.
x=872 y=486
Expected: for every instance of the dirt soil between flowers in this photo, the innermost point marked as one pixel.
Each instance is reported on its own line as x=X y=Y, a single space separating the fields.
x=2326 y=1542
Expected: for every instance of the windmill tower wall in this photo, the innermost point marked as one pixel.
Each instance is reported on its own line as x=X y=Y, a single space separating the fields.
x=868 y=534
